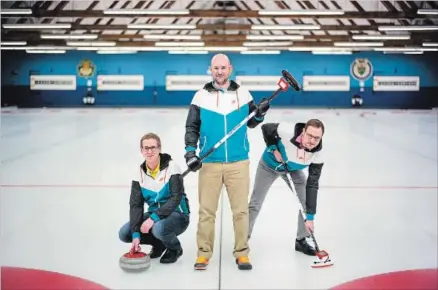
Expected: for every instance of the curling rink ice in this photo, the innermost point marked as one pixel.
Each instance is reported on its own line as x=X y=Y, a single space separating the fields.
x=65 y=185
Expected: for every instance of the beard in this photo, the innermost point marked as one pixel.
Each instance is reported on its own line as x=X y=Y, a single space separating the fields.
x=221 y=82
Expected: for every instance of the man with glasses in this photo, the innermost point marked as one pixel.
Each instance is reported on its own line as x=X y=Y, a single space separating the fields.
x=301 y=148
x=159 y=184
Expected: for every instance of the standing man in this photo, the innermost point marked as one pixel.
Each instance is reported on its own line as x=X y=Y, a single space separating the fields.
x=215 y=110
x=159 y=184
x=300 y=148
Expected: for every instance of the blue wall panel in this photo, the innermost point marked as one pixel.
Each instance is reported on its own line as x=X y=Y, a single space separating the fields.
x=154 y=66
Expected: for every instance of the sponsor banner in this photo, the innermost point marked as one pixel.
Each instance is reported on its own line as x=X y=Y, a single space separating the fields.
x=120 y=82
x=259 y=83
x=326 y=83
x=396 y=83
x=53 y=82
x=186 y=82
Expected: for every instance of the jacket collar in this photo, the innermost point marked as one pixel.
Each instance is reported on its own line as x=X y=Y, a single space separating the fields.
x=211 y=88
x=164 y=162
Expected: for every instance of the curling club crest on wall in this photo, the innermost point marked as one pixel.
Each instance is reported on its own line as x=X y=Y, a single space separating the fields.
x=361 y=69
x=86 y=68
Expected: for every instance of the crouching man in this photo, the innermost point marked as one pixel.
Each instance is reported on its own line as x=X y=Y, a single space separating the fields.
x=161 y=187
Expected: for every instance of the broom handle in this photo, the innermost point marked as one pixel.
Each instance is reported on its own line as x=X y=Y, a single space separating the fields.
x=302 y=211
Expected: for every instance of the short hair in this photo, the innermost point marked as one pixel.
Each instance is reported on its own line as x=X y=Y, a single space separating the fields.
x=315 y=123
x=150 y=136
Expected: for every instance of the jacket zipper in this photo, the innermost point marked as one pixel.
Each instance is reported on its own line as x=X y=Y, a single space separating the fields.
x=205 y=142
x=226 y=143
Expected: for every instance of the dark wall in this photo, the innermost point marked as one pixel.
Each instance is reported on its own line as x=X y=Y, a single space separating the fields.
x=154 y=66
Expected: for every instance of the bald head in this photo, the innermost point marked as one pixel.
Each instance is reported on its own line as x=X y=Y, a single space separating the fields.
x=220 y=59
x=220 y=69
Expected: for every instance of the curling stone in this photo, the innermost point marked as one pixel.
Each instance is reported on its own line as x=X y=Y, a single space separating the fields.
x=135 y=260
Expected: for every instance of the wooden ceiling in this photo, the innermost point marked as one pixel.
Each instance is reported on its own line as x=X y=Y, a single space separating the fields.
x=225 y=25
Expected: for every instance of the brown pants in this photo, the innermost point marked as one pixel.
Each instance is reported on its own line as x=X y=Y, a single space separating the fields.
x=235 y=177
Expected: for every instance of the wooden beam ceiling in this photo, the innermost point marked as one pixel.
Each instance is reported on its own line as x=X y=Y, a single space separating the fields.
x=227 y=26
x=220 y=26
x=40 y=13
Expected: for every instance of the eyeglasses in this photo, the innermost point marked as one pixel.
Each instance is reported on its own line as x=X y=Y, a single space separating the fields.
x=316 y=138
x=152 y=148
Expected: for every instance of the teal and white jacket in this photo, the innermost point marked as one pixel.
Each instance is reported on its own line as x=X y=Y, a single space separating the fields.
x=212 y=114
x=163 y=194
x=286 y=139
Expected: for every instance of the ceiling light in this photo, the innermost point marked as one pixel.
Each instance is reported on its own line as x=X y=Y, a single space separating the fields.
x=37 y=26
x=260 y=52
x=116 y=51
x=145 y=11
x=427 y=11
x=407 y=28
x=268 y=43
x=35 y=47
x=331 y=52
x=402 y=49
x=179 y=44
x=285 y=27
x=309 y=48
x=318 y=48
x=113 y=48
x=300 y=12
x=275 y=37
x=92 y=43
x=353 y=44
x=212 y=48
x=123 y=48
x=430 y=43
x=15 y=11
x=160 y=26
x=45 y=51
x=69 y=36
x=427 y=49
x=381 y=37
x=403 y=52
x=12 y=48
x=394 y=49
x=188 y=52
x=175 y=37
x=226 y=48
x=13 y=43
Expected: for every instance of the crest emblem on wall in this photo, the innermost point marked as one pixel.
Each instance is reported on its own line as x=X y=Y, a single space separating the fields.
x=86 y=68
x=361 y=69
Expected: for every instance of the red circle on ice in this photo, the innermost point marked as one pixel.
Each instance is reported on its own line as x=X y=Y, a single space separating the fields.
x=409 y=279
x=13 y=278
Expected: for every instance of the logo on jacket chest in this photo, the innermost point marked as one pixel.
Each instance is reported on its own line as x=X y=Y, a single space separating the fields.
x=223 y=103
x=160 y=178
x=227 y=100
x=301 y=154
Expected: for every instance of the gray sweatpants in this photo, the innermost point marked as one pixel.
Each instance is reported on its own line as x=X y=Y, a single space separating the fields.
x=264 y=178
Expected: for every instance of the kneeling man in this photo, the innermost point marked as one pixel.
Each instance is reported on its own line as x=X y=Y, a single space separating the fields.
x=161 y=187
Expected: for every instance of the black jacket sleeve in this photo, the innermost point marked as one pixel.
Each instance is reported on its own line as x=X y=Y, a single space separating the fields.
x=193 y=125
x=176 y=187
x=136 y=203
x=312 y=187
x=270 y=134
x=254 y=121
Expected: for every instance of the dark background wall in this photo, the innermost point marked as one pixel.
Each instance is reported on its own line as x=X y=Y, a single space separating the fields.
x=154 y=66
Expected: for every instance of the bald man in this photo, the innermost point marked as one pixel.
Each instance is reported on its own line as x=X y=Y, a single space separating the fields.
x=215 y=110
